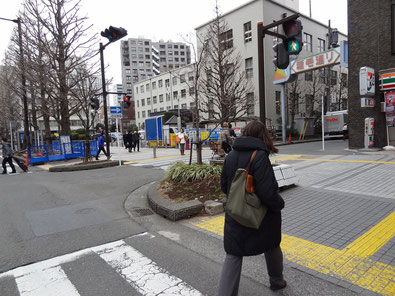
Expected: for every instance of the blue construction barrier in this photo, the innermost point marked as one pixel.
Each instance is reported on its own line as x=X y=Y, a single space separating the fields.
x=57 y=151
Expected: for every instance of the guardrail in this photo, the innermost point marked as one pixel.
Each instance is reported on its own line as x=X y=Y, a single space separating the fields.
x=58 y=151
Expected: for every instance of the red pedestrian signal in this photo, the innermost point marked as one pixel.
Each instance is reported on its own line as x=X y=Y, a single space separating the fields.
x=127 y=102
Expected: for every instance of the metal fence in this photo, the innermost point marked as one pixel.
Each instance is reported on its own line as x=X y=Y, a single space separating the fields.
x=58 y=151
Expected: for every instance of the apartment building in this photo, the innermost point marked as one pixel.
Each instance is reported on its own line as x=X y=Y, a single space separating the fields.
x=143 y=59
x=167 y=91
x=242 y=35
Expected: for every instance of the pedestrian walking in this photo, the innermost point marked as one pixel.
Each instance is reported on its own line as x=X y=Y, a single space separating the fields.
x=130 y=140
x=240 y=241
x=183 y=137
x=7 y=156
x=125 y=139
x=101 y=146
x=136 y=141
x=232 y=131
x=225 y=140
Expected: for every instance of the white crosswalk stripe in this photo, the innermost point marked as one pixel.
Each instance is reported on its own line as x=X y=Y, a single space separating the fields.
x=48 y=278
x=165 y=163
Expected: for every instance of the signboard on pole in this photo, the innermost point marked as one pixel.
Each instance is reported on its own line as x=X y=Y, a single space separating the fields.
x=116 y=112
x=367 y=82
x=323 y=59
x=387 y=79
x=390 y=108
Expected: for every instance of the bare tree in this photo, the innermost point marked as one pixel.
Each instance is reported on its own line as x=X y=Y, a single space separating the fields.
x=65 y=47
x=314 y=90
x=340 y=92
x=224 y=84
x=294 y=98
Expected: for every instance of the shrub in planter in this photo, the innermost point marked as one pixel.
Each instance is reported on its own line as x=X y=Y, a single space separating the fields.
x=181 y=172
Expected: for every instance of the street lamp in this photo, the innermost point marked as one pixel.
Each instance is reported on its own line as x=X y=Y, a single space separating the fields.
x=112 y=34
x=26 y=135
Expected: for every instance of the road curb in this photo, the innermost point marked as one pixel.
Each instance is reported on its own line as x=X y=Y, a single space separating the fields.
x=82 y=167
x=170 y=210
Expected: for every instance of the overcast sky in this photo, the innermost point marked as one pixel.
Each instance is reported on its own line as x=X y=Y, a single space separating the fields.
x=162 y=19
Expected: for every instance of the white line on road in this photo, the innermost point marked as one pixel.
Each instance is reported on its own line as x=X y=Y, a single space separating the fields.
x=141 y=272
x=47 y=282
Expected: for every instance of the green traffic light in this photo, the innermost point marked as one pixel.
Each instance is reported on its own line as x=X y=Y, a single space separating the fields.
x=293 y=46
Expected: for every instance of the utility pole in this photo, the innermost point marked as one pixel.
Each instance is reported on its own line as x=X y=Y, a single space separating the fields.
x=102 y=47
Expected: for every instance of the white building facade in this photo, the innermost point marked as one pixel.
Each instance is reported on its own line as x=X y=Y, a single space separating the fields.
x=242 y=25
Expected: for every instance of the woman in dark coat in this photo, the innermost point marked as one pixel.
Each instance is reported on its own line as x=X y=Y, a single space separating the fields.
x=242 y=241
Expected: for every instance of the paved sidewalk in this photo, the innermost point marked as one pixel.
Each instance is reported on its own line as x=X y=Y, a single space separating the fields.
x=339 y=222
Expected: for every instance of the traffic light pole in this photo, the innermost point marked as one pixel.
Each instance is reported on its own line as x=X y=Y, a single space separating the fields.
x=262 y=31
x=102 y=47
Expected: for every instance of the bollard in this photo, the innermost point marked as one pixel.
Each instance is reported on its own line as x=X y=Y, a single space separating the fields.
x=154 y=151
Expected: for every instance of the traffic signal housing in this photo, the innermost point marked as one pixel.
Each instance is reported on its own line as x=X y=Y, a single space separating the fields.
x=281 y=56
x=113 y=33
x=95 y=104
x=126 y=102
x=293 y=31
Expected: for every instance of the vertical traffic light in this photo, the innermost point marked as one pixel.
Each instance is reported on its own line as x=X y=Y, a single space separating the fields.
x=95 y=104
x=126 y=102
x=113 y=33
x=281 y=56
x=293 y=31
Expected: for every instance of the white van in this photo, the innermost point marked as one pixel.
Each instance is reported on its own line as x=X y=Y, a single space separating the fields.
x=334 y=123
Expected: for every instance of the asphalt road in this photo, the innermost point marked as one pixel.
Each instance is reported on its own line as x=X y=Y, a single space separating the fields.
x=331 y=146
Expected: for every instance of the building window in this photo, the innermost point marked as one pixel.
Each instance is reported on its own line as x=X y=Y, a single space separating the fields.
x=141 y=56
x=182 y=53
x=155 y=110
x=155 y=100
x=148 y=101
x=146 y=42
x=170 y=52
x=141 y=70
x=154 y=85
x=138 y=115
x=143 y=114
x=169 y=46
x=148 y=64
x=190 y=76
x=135 y=71
x=170 y=59
x=175 y=106
x=182 y=59
x=278 y=102
x=333 y=77
x=167 y=97
x=141 y=64
x=175 y=95
x=149 y=113
x=176 y=53
x=128 y=78
x=138 y=103
x=308 y=76
x=163 y=60
x=344 y=79
x=168 y=107
x=147 y=49
x=192 y=91
x=249 y=69
x=134 y=63
x=183 y=93
x=140 y=43
x=181 y=46
x=250 y=103
x=142 y=89
x=127 y=71
x=142 y=102
x=167 y=83
x=135 y=78
x=142 y=76
x=308 y=42
x=162 y=52
x=174 y=80
x=182 y=78
x=162 y=46
x=147 y=87
x=321 y=45
x=183 y=106
x=247 y=32
x=147 y=57
x=226 y=39
x=137 y=90
x=160 y=98
x=160 y=83
x=176 y=59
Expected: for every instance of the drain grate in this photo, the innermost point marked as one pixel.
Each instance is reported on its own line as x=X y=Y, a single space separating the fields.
x=140 y=212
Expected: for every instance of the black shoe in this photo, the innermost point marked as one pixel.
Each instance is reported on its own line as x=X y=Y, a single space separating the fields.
x=4 y=173
x=13 y=172
x=277 y=287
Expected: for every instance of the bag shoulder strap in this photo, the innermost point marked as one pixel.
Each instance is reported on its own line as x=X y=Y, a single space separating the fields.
x=249 y=163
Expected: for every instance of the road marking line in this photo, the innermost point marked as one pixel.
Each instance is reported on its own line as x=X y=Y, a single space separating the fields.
x=141 y=272
x=41 y=282
x=158 y=158
x=351 y=264
x=287 y=157
x=340 y=160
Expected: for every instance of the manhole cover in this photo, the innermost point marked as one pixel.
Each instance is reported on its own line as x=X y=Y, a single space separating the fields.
x=138 y=212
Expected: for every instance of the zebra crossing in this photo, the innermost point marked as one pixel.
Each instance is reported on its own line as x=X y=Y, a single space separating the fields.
x=52 y=277
x=163 y=164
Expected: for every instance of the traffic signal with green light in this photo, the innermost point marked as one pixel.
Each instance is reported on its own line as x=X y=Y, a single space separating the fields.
x=113 y=33
x=126 y=102
x=293 y=42
x=281 y=56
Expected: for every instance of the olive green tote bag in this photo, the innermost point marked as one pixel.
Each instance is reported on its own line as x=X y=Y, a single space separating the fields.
x=242 y=203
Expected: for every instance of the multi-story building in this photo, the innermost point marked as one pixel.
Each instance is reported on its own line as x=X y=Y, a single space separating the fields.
x=164 y=92
x=242 y=35
x=143 y=58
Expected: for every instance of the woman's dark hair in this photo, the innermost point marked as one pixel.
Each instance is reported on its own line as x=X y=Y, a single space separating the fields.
x=181 y=130
x=258 y=130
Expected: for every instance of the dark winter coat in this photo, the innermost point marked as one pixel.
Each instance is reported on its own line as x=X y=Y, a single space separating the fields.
x=136 y=137
x=7 y=150
x=130 y=139
x=240 y=240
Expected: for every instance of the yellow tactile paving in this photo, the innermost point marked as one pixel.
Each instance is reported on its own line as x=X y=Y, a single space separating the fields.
x=351 y=264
